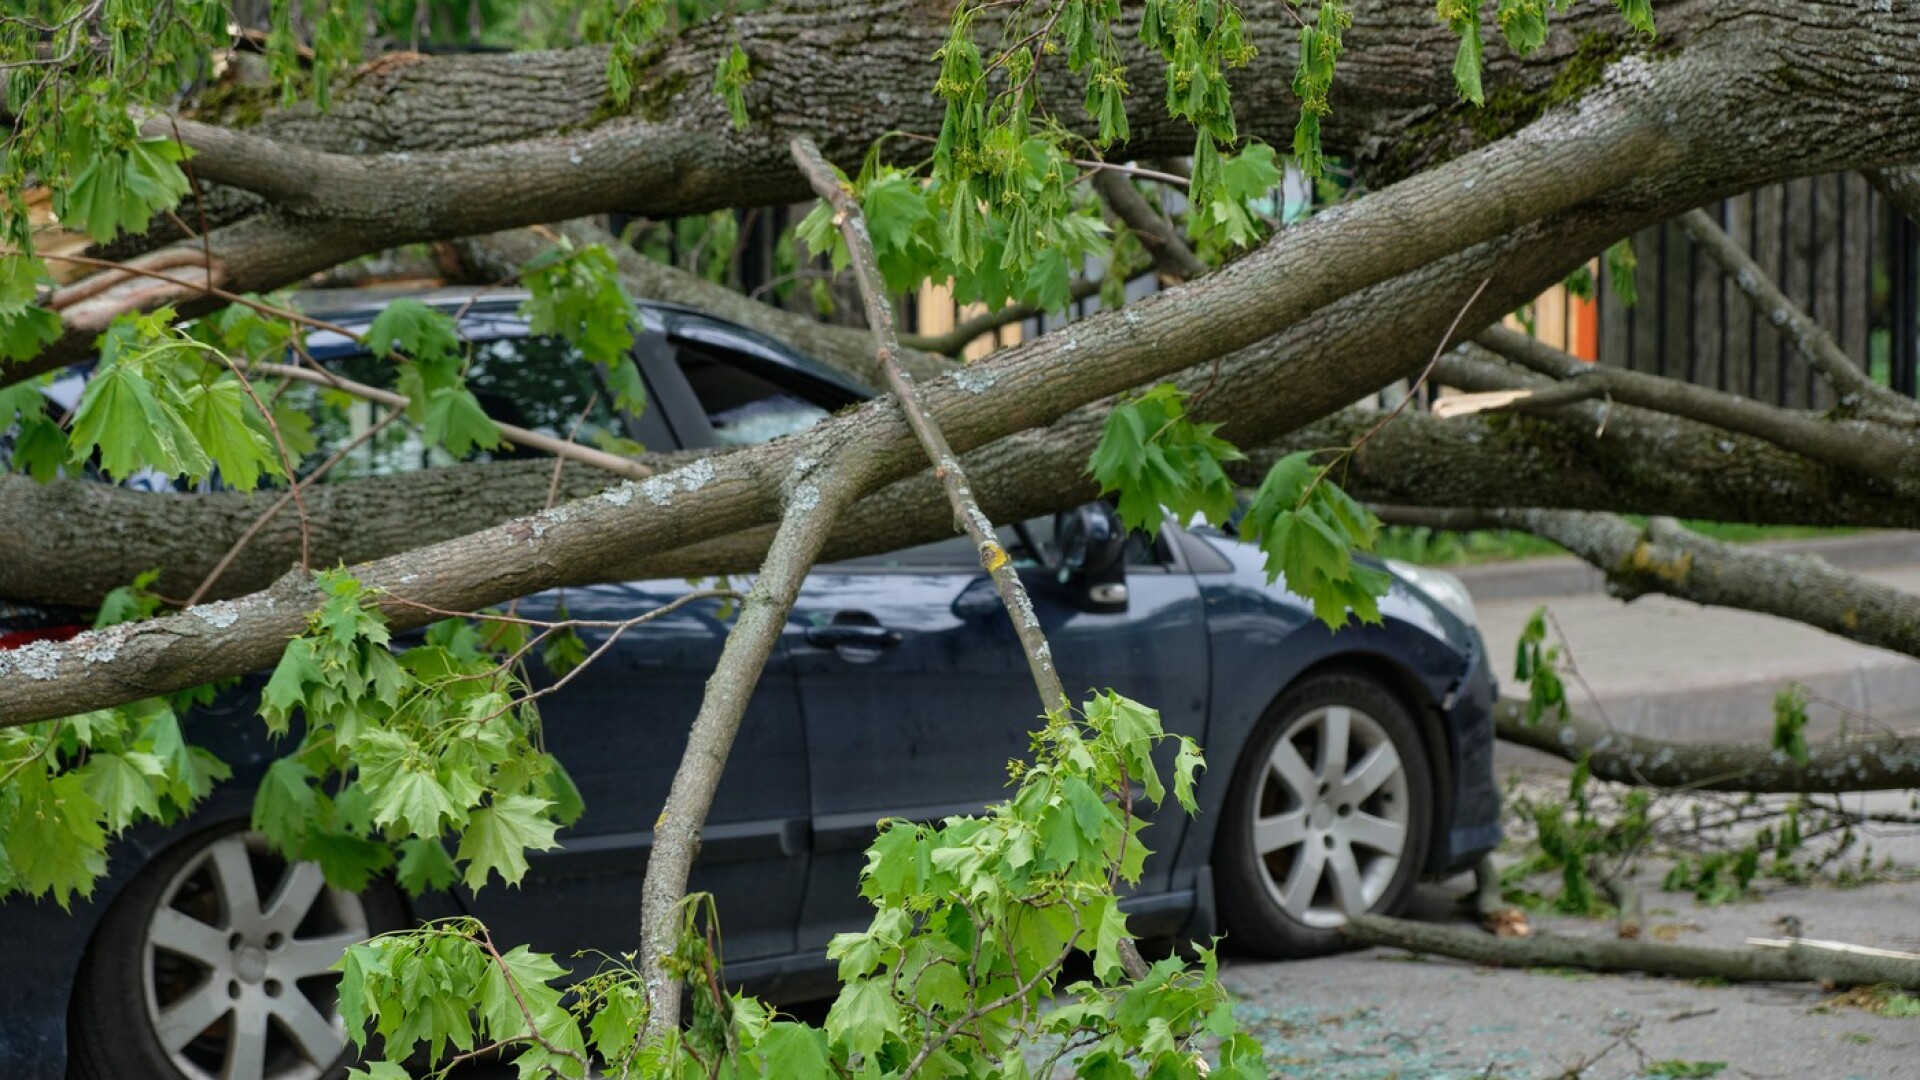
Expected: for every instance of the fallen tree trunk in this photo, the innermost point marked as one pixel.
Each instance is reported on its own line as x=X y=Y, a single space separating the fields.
x=1667 y=557
x=1877 y=763
x=1796 y=963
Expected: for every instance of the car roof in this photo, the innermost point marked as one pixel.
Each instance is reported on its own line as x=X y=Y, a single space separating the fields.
x=352 y=307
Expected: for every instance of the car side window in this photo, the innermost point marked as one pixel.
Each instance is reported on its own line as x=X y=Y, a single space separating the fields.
x=540 y=383
x=742 y=407
x=958 y=553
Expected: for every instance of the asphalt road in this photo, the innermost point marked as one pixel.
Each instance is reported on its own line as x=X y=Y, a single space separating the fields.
x=1383 y=1013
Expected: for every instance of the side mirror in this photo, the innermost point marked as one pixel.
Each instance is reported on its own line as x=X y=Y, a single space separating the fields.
x=1090 y=556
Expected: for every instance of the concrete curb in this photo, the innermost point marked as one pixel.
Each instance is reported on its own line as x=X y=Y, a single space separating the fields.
x=1566 y=575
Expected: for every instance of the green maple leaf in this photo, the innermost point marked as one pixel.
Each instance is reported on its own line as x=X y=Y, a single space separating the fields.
x=416 y=800
x=190 y=770
x=893 y=862
x=424 y=864
x=285 y=802
x=224 y=421
x=454 y=419
x=39 y=448
x=1160 y=461
x=863 y=1016
x=20 y=280
x=286 y=690
x=24 y=332
x=346 y=861
x=1186 y=762
x=413 y=328
x=120 y=191
x=1308 y=529
x=1467 y=63
x=901 y=224
x=54 y=840
x=135 y=425
x=563 y=651
x=123 y=792
x=794 y=1052
x=1109 y=926
x=498 y=837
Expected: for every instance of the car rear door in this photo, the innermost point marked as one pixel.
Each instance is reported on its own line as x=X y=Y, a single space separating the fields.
x=916 y=694
x=620 y=725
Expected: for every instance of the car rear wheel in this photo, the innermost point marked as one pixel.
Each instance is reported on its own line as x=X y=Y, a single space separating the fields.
x=214 y=964
x=1329 y=814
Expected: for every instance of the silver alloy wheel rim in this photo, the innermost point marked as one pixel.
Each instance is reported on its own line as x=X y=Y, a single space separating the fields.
x=1330 y=820
x=236 y=982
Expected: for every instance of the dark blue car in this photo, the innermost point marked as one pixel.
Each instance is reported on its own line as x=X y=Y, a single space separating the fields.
x=1343 y=766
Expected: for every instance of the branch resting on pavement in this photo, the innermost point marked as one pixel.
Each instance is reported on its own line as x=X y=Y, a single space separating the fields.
x=1795 y=963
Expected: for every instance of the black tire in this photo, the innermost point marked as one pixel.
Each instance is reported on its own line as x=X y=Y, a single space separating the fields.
x=1336 y=824
x=128 y=981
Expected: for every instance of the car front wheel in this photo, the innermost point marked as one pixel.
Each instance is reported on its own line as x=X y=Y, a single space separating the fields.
x=1329 y=814
x=214 y=964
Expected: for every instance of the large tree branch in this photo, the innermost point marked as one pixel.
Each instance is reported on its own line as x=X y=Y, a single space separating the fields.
x=1857 y=390
x=1886 y=762
x=1666 y=557
x=814 y=496
x=1169 y=249
x=1901 y=186
x=1863 y=446
x=1796 y=963
x=1305 y=268
x=680 y=156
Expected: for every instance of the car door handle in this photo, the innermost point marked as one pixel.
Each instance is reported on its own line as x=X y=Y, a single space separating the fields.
x=835 y=635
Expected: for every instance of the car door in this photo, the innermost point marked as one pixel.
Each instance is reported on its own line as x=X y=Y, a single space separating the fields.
x=916 y=694
x=620 y=726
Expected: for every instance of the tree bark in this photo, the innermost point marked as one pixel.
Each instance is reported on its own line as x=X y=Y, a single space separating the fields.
x=1873 y=763
x=1666 y=557
x=1649 y=141
x=814 y=495
x=676 y=153
x=1797 y=963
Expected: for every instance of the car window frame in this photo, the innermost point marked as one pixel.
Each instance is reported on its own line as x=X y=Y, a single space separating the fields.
x=1168 y=559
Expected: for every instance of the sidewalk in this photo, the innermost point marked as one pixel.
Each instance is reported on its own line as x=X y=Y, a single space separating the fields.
x=1665 y=667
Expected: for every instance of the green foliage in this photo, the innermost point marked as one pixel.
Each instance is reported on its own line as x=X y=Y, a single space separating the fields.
x=730 y=78
x=1523 y=23
x=437 y=742
x=576 y=294
x=68 y=785
x=1581 y=847
x=1537 y=664
x=1638 y=13
x=973 y=918
x=1677 y=1067
x=1320 y=46
x=1621 y=267
x=1790 y=724
x=116 y=192
x=1463 y=18
x=129 y=603
x=1715 y=877
x=39 y=446
x=1309 y=529
x=162 y=399
x=1230 y=219
x=1161 y=462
